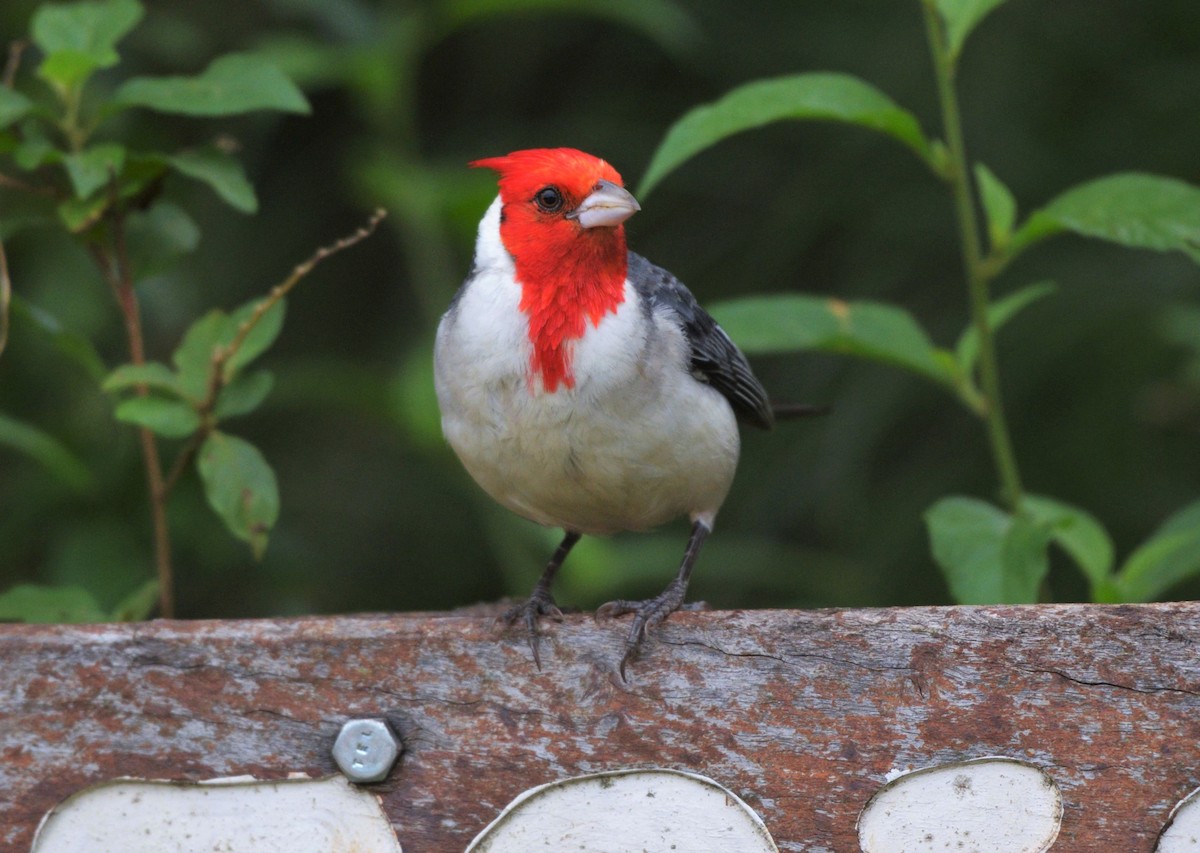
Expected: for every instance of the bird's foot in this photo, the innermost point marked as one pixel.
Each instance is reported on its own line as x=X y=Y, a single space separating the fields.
x=540 y=604
x=646 y=615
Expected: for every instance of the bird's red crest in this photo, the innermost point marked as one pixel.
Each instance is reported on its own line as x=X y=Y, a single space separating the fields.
x=569 y=275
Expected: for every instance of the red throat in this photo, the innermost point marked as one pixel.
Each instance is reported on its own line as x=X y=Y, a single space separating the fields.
x=565 y=287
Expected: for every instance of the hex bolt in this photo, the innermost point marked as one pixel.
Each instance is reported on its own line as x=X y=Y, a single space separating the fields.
x=365 y=750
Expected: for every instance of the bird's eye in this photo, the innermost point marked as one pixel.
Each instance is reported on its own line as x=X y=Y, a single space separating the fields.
x=549 y=199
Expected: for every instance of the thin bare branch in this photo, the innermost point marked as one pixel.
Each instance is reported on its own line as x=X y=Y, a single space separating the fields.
x=5 y=297
x=15 y=50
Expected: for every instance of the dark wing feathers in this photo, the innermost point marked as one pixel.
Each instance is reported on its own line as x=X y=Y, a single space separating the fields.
x=715 y=357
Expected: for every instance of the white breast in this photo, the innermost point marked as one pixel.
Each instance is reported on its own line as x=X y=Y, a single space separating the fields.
x=636 y=442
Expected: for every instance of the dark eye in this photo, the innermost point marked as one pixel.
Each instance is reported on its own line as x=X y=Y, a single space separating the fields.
x=549 y=199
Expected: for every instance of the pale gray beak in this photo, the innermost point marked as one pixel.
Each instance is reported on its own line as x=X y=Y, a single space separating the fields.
x=607 y=206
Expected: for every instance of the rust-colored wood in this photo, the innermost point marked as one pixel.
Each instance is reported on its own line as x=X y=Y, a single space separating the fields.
x=800 y=712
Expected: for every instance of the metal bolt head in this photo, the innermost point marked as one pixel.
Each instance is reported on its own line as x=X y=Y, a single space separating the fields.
x=365 y=750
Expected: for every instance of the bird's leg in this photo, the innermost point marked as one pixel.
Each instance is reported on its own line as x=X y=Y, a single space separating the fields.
x=647 y=614
x=541 y=602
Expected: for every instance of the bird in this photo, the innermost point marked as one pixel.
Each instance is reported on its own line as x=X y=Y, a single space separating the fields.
x=583 y=387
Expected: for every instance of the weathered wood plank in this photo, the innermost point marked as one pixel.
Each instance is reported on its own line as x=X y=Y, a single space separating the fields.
x=801 y=713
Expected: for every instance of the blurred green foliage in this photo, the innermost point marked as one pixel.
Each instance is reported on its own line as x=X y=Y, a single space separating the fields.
x=1101 y=379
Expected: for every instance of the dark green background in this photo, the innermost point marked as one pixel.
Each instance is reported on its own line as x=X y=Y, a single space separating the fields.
x=1102 y=381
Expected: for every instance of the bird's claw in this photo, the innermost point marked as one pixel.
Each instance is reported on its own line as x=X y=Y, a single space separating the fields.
x=646 y=615
x=540 y=604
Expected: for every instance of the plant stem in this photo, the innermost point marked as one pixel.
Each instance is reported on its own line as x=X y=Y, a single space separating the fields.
x=959 y=177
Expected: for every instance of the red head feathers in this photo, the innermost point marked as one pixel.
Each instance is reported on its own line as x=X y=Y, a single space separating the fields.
x=561 y=222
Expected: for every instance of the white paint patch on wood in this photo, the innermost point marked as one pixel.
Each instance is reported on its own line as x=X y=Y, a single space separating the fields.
x=1182 y=832
x=627 y=810
x=985 y=805
x=237 y=815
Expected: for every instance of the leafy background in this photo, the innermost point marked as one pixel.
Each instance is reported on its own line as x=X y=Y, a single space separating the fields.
x=1102 y=379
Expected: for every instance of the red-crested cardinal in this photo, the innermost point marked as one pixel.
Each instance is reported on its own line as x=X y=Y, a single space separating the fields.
x=582 y=386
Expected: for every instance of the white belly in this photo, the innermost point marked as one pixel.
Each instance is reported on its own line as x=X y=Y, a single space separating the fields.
x=636 y=442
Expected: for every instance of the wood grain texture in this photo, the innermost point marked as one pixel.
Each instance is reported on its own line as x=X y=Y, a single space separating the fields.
x=801 y=713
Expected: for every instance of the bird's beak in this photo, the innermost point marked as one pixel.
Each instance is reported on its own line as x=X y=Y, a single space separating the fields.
x=607 y=206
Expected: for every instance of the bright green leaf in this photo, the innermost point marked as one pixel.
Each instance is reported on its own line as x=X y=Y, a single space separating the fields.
x=13 y=106
x=91 y=27
x=241 y=488
x=193 y=357
x=80 y=214
x=961 y=17
x=998 y=204
x=68 y=69
x=790 y=322
x=46 y=450
x=232 y=84
x=1076 y=532
x=812 y=96
x=152 y=375
x=45 y=604
x=1136 y=210
x=92 y=169
x=1169 y=556
x=999 y=313
x=261 y=335
x=244 y=394
x=987 y=555
x=223 y=173
x=138 y=605
x=168 y=418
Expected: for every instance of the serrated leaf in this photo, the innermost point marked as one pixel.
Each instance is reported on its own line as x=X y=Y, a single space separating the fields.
x=790 y=322
x=966 y=351
x=223 y=173
x=987 y=555
x=92 y=169
x=13 y=106
x=1169 y=556
x=240 y=487
x=232 y=84
x=998 y=204
x=961 y=17
x=1078 y=533
x=48 y=604
x=244 y=394
x=138 y=605
x=168 y=418
x=1131 y=209
x=811 y=96
x=153 y=375
x=261 y=336
x=46 y=450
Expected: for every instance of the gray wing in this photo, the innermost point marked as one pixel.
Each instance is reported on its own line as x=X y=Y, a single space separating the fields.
x=715 y=357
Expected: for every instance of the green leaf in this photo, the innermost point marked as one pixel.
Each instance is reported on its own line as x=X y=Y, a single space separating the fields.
x=241 y=488
x=1132 y=209
x=77 y=38
x=1169 y=556
x=168 y=418
x=790 y=322
x=13 y=106
x=152 y=375
x=221 y=172
x=1077 y=532
x=47 y=451
x=812 y=96
x=138 y=605
x=71 y=344
x=193 y=357
x=244 y=394
x=158 y=236
x=45 y=604
x=987 y=555
x=998 y=204
x=261 y=336
x=232 y=84
x=961 y=17
x=966 y=351
x=92 y=169
x=80 y=214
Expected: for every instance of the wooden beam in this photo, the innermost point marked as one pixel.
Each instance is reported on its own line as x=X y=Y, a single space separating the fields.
x=802 y=714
